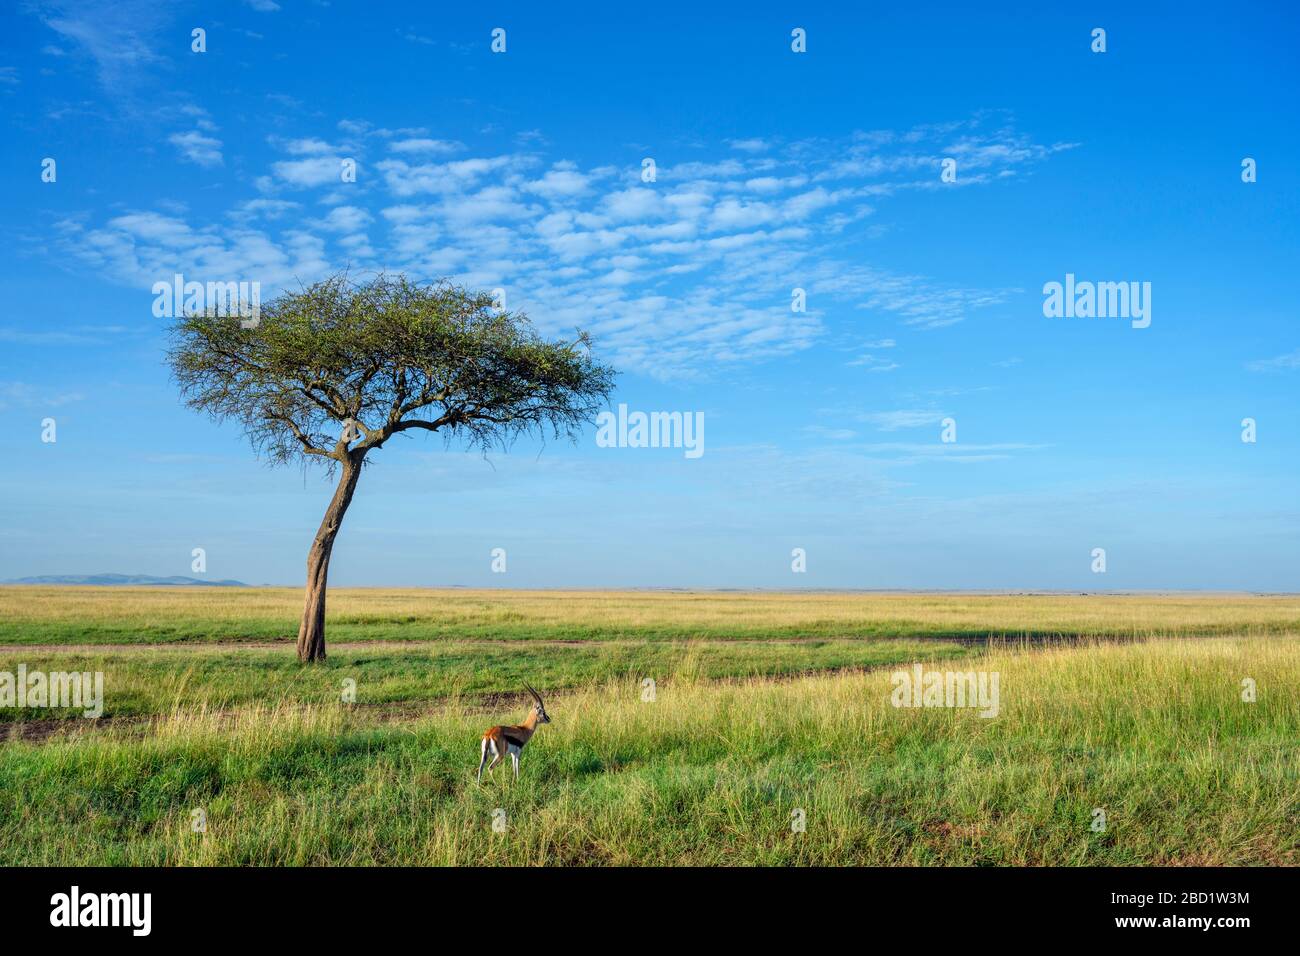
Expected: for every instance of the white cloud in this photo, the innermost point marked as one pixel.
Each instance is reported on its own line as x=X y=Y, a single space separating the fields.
x=404 y=179
x=672 y=278
x=1289 y=360
x=774 y=184
x=903 y=418
x=731 y=214
x=873 y=364
x=197 y=148
x=421 y=145
x=307 y=146
x=486 y=205
x=306 y=173
x=635 y=203
x=119 y=35
x=266 y=208
x=346 y=219
x=21 y=394
x=140 y=248
x=559 y=184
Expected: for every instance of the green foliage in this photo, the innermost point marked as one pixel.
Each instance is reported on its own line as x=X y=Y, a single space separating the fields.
x=388 y=356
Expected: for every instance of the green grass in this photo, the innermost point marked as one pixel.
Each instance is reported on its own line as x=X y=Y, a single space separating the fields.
x=1137 y=712
x=1154 y=733
x=83 y=615
x=151 y=681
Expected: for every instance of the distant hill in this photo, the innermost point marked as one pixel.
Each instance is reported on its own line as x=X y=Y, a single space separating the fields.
x=102 y=579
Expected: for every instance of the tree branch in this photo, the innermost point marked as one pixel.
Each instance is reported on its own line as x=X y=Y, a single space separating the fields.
x=308 y=447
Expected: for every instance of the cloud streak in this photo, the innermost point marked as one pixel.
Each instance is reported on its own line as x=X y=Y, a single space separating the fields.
x=688 y=272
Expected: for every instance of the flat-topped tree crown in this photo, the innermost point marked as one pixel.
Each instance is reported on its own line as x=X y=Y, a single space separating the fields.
x=389 y=356
x=333 y=371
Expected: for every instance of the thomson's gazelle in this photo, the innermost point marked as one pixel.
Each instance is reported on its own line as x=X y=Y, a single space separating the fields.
x=511 y=740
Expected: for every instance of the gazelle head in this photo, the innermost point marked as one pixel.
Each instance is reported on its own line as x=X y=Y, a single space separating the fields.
x=538 y=707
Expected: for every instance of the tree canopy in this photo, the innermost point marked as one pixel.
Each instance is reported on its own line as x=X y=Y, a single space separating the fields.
x=332 y=372
x=389 y=356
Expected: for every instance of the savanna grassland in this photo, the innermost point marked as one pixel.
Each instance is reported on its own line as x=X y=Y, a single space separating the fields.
x=140 y=615
x=766 y=709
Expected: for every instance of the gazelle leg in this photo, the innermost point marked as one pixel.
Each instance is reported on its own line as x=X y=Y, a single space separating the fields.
x=483 y=760
x=514 y=759
x=496 y=755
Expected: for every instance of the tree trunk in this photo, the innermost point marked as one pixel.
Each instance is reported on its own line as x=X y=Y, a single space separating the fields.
x=311 y=633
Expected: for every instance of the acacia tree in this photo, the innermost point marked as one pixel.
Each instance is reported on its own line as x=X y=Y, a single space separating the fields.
x=330 y=373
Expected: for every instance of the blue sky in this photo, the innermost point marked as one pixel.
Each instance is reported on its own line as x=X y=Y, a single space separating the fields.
x=775 y=170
